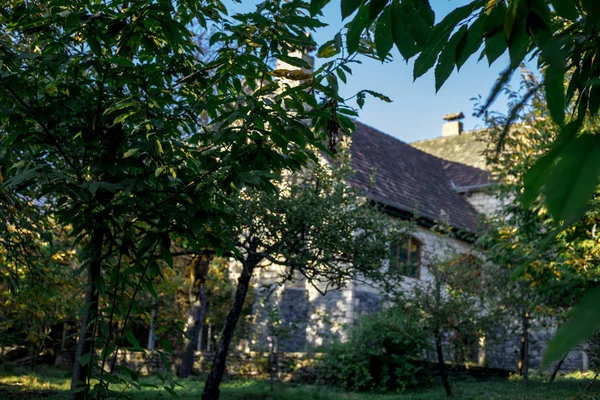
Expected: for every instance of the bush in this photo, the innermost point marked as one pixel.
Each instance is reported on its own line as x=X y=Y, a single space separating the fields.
x=384 y=352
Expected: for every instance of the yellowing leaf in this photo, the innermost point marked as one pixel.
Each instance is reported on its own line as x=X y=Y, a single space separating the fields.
x=294 y=75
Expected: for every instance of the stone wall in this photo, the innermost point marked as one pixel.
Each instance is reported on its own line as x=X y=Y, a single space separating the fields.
x=294 y=311
x=483 y=202
x=293 y=367
x=366 y=302
x=503 y=352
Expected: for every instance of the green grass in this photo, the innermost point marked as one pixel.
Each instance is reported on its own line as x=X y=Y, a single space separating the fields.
x=47 y=383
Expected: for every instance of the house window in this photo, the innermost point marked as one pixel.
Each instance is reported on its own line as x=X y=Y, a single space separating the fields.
x=406 y=258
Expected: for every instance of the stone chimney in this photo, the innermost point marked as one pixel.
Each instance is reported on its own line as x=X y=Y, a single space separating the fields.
x=453 y=125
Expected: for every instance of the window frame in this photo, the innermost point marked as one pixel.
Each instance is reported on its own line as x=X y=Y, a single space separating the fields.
x=396 y=260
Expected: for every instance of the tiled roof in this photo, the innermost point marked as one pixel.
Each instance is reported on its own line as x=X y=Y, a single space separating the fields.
x=466 y=148
x=411 y=180
x=465 y=176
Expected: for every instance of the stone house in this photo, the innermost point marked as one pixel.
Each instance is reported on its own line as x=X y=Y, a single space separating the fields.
x=408 y=182
x=443 y=179
x=438 y=180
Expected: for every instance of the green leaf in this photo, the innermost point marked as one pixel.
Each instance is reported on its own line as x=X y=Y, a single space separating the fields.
x=495 y=46
x=167 y=345
x=316 y=6
x=328 y=50
x=304 y=22
x=293 y=61
x=583 y=320
x=402 y=38
x=349 y=6
x=360 y=99
x=554 y=75
x=470 y=42
x=132 y=340
x=164 y=359
x=377 y=95
x=165 y=252
x=85 y=359
x=93 y=186
x=428 y=57
x=565 y=8
x=423 y=8
x=445 y=64
x=384 y=40
x=439 y=37
x=94 y=45
x=130 y=152
x=150 y=287
x=356 y=28
x=122 y=61
x=537 y=176
x=170 y=31
x=375 y=8
x=518 y=44
x=574 y=178
x=342 y=75
x=171 y=391
x=419 y=29
x=511 y=16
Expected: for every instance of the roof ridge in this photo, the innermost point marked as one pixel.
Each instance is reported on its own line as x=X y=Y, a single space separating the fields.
x=442 y=160
x=445 y=137
x=382 y=132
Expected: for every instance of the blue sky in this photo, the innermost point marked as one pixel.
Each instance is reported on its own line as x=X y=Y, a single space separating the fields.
x=416 y=111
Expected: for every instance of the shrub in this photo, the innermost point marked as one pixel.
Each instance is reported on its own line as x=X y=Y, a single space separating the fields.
x=384 y=352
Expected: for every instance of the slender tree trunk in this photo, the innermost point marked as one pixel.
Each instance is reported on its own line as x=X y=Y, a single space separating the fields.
x=442 y=365
x=151 y=331
x=208 y=337
x=65 y=348
x=84 y=343
x=557 y=368
x=196 y=314
x=203 y=314
x=589 y=386
x=274 y=363
x=211 y=388
x=524 y=352
x=63 y=339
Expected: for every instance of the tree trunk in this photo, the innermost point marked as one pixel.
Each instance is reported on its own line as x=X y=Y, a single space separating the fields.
x=524 y=352
x=274 y=363
x=211 y=388
x=589 y=386
x=64 y=355
x=84 y=343
x=196 y=314
x=208 y=337
x=63 y=339
x=557 y=368
x=442 y=365
x=203 y=314
x=151 y=331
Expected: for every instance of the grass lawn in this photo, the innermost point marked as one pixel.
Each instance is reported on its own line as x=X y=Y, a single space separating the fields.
x=51 y=384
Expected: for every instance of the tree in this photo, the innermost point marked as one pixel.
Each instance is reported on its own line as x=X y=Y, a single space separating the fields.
x=315 y=225
x=557 y=268
x=197 y=312
x=561 y=35
x=383 y=352
x=450 y=306
x=37 y=289
x=110 y=119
